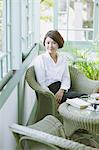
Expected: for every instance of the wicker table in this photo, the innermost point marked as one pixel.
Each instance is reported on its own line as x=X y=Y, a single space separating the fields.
x=75 y=118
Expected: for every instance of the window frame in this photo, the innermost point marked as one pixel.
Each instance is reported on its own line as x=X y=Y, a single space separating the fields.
x=21 y=31
x=95 y=28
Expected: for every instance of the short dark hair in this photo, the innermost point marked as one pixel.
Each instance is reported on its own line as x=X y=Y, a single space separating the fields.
x=56 y=36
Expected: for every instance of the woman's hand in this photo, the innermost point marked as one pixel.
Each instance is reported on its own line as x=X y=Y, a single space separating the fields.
x=59 y=95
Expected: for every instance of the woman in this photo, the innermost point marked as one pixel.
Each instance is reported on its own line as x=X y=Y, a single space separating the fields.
x=52 y=70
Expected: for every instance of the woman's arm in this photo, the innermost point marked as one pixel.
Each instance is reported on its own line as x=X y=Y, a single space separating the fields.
x=65 y=82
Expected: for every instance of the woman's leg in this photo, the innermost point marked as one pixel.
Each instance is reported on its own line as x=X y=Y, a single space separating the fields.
x=54 y=87
x=71 y=94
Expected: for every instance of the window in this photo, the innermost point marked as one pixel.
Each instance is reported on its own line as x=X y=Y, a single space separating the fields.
x=16 y=32
x=4 y=53
x=1 y=23
x=77 y=20
x=46 y=17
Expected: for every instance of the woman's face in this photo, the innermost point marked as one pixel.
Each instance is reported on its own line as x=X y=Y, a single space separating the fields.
x=50 y=45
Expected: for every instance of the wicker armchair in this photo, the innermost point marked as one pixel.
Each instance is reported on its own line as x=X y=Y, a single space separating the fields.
x=47 y=134
x=46 y=103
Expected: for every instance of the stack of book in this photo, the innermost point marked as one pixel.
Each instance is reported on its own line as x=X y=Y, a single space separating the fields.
x=77 y=102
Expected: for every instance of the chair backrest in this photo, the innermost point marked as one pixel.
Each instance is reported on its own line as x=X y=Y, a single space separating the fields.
x=46 y=103
x=81 y=83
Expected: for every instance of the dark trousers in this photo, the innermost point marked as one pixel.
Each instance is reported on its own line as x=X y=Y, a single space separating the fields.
x=54 y=87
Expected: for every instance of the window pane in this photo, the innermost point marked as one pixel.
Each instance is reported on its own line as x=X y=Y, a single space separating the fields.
x=76 y=17
x=1 y=23
x=46 y=17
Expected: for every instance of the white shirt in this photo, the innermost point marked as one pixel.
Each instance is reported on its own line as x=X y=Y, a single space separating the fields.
x=47 y=71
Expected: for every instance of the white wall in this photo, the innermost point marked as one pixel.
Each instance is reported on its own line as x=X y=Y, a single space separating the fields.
x=8 y=115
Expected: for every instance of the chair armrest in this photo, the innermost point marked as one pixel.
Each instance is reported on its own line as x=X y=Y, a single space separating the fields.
x=44 y=97
x=31 y=80
x=47 y=139
x=30 y=77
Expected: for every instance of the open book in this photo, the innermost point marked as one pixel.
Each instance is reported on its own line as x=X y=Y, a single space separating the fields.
x=95 y=96
x=77 y=102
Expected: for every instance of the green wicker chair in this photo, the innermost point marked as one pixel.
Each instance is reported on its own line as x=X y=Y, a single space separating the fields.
x=47 y=134
x=45 y=103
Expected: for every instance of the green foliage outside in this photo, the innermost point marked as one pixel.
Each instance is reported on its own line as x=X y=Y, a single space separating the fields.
x=47 y=3
x=45 y=6
x=89 y=67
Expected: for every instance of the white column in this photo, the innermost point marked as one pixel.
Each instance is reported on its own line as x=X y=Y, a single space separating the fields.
x=55 y=16
x=78 y=21
x=36 y=22
x=96 y=20
x=16 y=33
x=24 y=26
